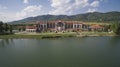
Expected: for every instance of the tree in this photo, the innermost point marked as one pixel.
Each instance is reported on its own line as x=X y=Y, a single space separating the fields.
x=6 y=27
x=106 y=28
x=11 y=29
x=23 y=28
x=1 y=27
x=116 y=28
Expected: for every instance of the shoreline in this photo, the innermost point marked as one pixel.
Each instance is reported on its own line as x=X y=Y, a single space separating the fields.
x=54 y=35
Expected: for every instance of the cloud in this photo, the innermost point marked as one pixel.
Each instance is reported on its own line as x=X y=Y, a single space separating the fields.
x=66 y=6
x=25 y=1
x=3 y=14
x=95 y=4
x=91 y=10
x=6 y=17
x=28 y=11
x=70 y=6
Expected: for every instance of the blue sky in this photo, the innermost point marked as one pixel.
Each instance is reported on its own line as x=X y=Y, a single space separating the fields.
x=11 y=10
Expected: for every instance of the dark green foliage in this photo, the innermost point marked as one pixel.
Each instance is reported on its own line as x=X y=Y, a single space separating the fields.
x=1 y=27
x=106 y=28
x=19 y=29
x=23 y=28
x=5 y=28
x=11 y=28
x=89 y=17
x=116 y=28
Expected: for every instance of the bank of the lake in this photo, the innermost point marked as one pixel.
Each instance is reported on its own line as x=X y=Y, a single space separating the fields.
x=36 y=36
x=89 y=34
x=55 y=35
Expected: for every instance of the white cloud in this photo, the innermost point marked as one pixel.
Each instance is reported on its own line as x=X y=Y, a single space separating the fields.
x=91 y=10
x=6 y=17
x=3 y=14
x=67 y=6
x=60 y=6
x=28 y=11
x=95 y=4
x=25 y=1
x=70 y=6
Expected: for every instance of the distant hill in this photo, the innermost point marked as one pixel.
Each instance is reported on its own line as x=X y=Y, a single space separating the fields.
x=87 y=17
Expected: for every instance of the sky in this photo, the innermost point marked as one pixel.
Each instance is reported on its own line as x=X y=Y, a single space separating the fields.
x=11 y=10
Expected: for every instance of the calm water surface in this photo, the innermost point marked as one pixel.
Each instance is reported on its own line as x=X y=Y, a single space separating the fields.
x=64 y=52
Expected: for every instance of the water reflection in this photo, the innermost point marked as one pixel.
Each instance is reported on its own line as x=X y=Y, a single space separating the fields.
x=5 y=42
x=63 y=52
x=114 y=41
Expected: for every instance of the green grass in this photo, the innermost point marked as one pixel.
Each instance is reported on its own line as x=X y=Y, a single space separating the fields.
x=54 y=35
x=98 y=33
x=18 y=36
x=37 y=36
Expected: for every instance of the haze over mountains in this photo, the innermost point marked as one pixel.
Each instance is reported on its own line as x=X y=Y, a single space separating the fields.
x=113 y=16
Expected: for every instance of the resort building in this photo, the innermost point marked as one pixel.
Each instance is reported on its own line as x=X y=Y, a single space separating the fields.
x=96 y=27
x=31 y=28
x=61 y=26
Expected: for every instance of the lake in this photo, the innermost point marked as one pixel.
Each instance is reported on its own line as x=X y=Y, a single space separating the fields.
x=61 y=52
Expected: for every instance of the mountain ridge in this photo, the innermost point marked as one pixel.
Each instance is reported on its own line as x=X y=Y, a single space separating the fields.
x=113 y=16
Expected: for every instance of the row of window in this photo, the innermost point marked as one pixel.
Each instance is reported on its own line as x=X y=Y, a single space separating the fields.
x=53 y=26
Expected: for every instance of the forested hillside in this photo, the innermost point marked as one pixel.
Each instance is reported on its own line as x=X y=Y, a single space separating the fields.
x=88 y=17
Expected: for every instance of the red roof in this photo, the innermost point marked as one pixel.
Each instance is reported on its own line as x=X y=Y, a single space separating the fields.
x=96 y=26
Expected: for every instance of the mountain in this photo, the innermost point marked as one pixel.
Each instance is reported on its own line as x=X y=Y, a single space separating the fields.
x=113 y=16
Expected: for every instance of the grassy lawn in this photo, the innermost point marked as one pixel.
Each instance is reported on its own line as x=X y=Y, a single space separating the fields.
x=98 y=33
x=67 y=33
x=18 y=36
x=54 y=35
x=38 y=35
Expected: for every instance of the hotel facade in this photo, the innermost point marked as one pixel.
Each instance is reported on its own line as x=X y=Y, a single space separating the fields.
x=60 y=26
